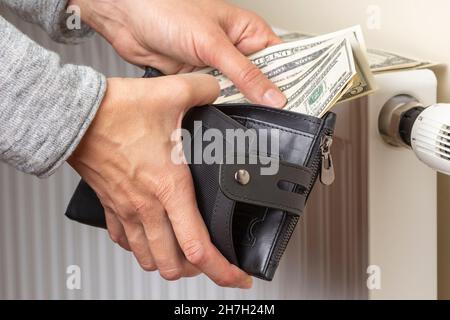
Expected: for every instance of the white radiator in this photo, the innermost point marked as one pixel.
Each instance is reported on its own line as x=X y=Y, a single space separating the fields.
x=326 y=258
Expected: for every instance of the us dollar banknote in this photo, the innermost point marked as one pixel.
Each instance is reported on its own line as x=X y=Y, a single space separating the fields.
x=290 y=67
x=317 y=86
x=384 y=61
x=313 y=72
x=329 y=81
x=380 y=61
x=364 y=82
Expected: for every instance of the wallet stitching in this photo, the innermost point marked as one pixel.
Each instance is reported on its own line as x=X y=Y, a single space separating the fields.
x=285 y=114
x=263 y=123
x=225 y=117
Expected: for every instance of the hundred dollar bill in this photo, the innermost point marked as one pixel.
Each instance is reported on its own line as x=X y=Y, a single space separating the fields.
x=319 y=86
x=284 y=80
x=383 y=61
x=291 y=59
x=380 y=61
x=271 y=55
x=364 y=82
x=278 y=71
x=305 y=65
x=288 y=36
x=329 y=82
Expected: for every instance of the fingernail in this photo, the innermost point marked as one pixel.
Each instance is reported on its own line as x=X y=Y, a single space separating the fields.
x=248 y=283
x=274 y=98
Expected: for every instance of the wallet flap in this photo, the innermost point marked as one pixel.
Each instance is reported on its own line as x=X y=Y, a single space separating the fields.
x=210 y=117
x=284 y=118
x=245 y=183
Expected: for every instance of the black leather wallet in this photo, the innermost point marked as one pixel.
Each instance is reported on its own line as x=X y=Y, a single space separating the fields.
x=250 y=215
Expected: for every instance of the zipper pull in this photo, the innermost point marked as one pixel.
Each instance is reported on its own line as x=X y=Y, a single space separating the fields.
x=327 y=175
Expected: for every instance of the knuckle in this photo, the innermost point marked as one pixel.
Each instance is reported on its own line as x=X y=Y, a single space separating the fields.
x=164 y=192
x=250 y=74
x=209 y=51
x=133 y=207
x=116 y=237
x=148 y=266
x=139 y=205
x=134 y=243
x=258 y=21
x=154 y=221
x=124 y=245
x=135 y=239
x=171 y=274
x=168 y=186
x=127 y=215
x=130 y=201
x=195 y=252
x=135 y=202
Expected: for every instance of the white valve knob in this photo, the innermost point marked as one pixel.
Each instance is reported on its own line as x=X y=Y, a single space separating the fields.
x=405 y=122
x=430 y=137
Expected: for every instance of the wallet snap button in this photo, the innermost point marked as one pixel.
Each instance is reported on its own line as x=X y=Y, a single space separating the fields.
x=242 y=177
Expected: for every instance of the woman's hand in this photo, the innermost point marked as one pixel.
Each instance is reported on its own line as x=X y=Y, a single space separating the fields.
x=149 y=200
x=176 y=36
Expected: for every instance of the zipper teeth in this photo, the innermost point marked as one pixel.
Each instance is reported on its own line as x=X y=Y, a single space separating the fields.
x=291 y=227
x=316 y=164
x=287 y=235
x=315 y=171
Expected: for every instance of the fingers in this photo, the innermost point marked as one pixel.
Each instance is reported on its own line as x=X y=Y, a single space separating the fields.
x=116 y=231
x=167 y=65
x=250 y=45
x=192 y=234
x=274 y=40
x=139 y=245
x=167 y=255
x=245 y=75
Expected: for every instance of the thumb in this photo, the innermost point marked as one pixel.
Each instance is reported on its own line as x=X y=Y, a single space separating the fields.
x=246 y=76
x=192 y=234
x=198 y=89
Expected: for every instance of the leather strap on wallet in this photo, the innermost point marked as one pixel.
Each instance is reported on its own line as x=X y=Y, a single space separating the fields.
x=250 y=216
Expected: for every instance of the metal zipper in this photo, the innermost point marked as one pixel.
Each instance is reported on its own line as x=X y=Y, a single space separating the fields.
x=327 y=175
x=318 y=160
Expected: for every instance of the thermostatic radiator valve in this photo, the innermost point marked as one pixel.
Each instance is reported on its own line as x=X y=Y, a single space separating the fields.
x=405 y=122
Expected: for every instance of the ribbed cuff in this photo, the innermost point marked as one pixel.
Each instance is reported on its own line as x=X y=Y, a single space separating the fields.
x=53 y=16
x=62 y=27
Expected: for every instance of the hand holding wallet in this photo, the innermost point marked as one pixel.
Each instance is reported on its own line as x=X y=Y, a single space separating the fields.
x=250 y=216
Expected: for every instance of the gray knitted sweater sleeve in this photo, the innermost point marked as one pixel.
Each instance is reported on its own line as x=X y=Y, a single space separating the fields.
x=45 y=107
x=50 y=15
